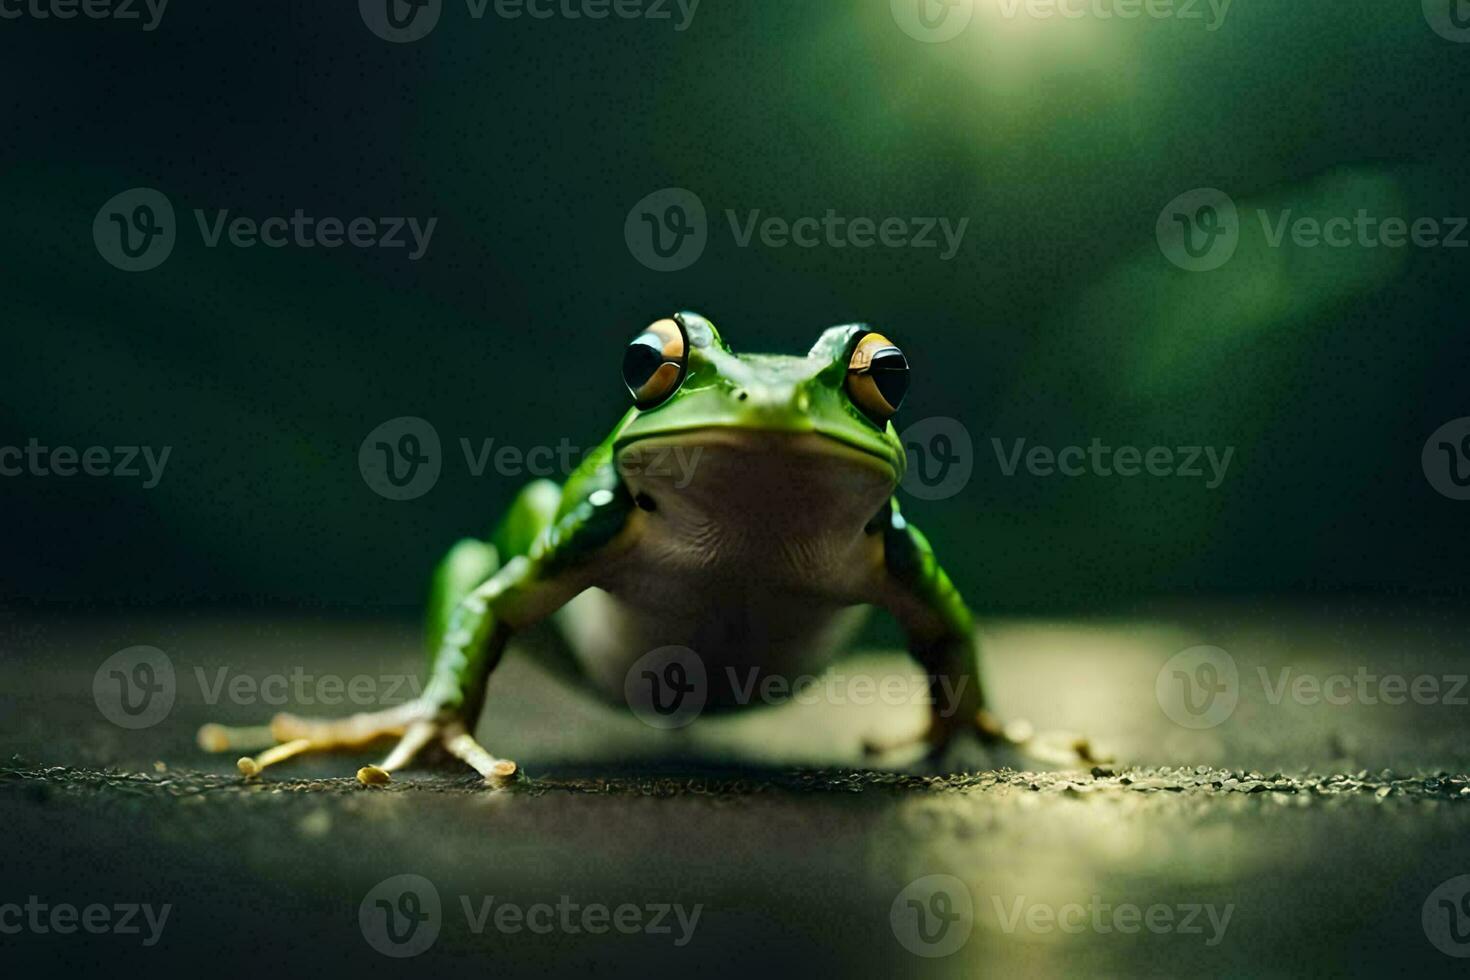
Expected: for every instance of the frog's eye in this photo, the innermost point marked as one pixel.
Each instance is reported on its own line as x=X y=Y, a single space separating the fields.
x=877 y=377
x=655 y=362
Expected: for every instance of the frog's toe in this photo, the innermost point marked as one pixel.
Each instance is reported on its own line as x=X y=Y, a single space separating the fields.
x=416 y=725
x=290 y=735
x=499 y=773
x=1055 y=748
x=455 y=740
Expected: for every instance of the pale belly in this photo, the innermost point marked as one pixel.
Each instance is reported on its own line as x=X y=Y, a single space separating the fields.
x=739 y=644
x=762 y=565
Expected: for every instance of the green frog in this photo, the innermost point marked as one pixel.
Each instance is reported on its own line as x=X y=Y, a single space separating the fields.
x=742 y=512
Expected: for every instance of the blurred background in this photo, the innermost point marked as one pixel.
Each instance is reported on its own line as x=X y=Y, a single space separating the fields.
x=1139 y=207
x=1059 y=319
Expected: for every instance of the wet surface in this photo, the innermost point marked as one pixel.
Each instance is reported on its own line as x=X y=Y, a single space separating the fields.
x=1295 y=834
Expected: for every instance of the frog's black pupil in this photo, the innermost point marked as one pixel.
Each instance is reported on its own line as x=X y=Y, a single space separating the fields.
x=890 y=371
x=643 y=357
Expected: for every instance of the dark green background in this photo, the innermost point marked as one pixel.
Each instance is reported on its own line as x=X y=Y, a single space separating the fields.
x=1059 y=321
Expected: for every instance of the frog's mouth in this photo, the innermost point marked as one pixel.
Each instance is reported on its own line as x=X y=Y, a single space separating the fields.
x=775 y=476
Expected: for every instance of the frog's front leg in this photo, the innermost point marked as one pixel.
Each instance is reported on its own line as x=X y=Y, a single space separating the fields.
x=557 y=566
x=941 y=636
x=941 y=633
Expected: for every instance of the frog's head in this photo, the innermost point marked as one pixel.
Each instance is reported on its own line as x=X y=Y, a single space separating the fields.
x=816 y=426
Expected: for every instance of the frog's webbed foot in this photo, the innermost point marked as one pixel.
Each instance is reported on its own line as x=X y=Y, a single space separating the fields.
x=415 y=725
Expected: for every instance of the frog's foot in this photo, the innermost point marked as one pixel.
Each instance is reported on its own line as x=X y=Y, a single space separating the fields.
x=416 y=726
x=1059 y=748
x=1017 y=738
x=455 y=740
x=291 y=735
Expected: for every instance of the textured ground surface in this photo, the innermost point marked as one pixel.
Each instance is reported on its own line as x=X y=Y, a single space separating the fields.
x=1321 y=830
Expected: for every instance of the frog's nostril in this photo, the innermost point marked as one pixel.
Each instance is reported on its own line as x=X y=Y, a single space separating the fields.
x=741 y=394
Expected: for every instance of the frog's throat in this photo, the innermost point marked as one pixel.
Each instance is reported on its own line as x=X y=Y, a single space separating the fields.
x=812 y=440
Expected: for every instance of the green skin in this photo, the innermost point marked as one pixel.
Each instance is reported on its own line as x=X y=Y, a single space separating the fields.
x=776 y=525
x=555 y=542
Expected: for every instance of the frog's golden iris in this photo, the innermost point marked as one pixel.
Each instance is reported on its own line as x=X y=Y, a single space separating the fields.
x=655 y=362
x=877 y=377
